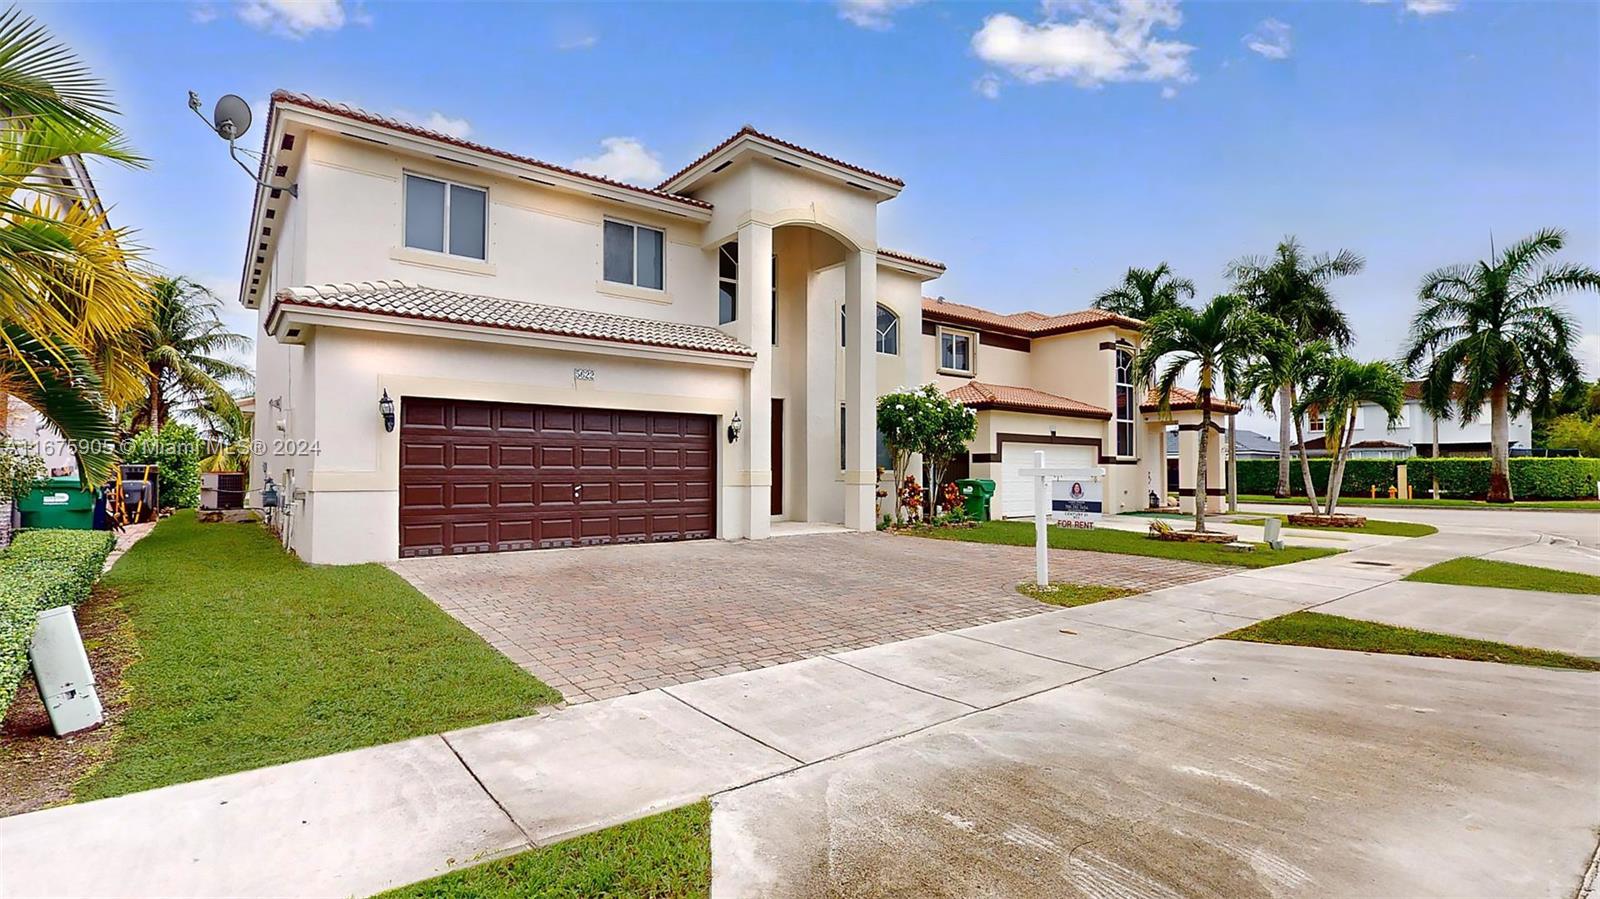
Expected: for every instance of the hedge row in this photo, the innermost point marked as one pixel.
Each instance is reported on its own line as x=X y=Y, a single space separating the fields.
x=1531 y=478
x=1260 y=476
x=42 y=569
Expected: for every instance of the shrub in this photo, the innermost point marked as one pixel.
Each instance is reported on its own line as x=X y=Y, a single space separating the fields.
x=176 y=451
x=1260 y=476
x=42 y=569
x=1531 y=478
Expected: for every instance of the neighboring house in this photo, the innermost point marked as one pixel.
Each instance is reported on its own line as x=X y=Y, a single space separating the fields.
x=1412 y=434
x=1061 y=384
x=1250 y=446
x=573 y=360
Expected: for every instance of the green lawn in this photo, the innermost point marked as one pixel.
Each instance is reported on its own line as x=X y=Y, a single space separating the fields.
x=1070 y=595
x=1335 y=632
x=1106 y=540
x=247 y=657
x=666 y=856
x=1420 y=502
x=1485 y=573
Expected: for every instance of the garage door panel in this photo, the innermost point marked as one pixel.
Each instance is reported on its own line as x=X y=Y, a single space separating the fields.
x=517 y=455
x=483 y=477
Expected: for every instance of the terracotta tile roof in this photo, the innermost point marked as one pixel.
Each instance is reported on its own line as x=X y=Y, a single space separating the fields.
x=1318 y=443
x=1414 y=390
x=404 y=300
x=1185 y=401
x=1024 y=324
x=751 y=131
x=979 y=395
x=361 y=115
x=907 y=257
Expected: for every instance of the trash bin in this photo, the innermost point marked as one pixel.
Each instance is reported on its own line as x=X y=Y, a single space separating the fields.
x=58 y=503
x=978 y=493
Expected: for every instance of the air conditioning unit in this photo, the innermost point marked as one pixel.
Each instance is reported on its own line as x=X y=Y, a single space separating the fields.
x=61 y=668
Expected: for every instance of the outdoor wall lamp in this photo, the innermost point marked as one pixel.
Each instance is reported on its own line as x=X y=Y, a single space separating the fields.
x=386 y=409
x=734 y=427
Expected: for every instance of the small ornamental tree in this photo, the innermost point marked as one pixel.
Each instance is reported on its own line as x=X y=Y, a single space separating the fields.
x=903 y=420
x=951 y=429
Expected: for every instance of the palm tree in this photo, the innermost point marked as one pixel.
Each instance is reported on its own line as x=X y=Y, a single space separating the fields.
x=1491 y=332
x=1344 y=386
x=1299 y=365
x=226 y=431
x=1217 y=341
x=1292 y=287
x=184 y=344
x=69 y=284
x=1146 y=293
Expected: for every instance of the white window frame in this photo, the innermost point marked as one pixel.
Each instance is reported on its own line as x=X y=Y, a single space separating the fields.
x=972 y=351
x=1118 y=385
x=405 y=205
x=732 y=282
x=635 y=226
x=878 y=342
x=1316 y=423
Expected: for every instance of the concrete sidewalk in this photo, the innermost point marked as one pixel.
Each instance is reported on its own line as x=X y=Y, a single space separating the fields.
x=375 y=818
x=1564 y=622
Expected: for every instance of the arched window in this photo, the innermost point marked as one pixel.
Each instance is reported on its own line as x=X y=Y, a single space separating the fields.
x=888 y=331
x=1124 y=403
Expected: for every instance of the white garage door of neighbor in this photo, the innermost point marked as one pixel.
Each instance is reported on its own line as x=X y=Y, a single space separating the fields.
x=1016 y=491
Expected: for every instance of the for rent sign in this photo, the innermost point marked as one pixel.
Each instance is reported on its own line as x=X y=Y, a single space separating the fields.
x=1075 y=503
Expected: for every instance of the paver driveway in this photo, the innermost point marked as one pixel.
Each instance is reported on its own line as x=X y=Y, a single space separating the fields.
x=604 y=621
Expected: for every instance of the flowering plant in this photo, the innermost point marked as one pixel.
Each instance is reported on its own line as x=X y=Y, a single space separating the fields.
x=911 y=496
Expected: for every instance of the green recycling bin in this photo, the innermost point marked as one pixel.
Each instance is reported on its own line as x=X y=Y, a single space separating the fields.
x=978 y=491
x=58 y=503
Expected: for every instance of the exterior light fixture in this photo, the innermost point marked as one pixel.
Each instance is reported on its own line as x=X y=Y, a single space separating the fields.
x=386 y=409
x=734 y=427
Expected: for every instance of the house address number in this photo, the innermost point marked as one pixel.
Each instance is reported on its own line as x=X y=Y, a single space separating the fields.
x=583 y=374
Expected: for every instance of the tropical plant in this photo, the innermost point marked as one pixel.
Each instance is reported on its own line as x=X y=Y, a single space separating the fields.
x=923 y=422
x=1492 y=333
x=226 y=432
x=1286 y=362
x=1576 y=433
x=1292 y=287
x=903 y=423
x=1342 y=387
x=952 y=429
x=69 y=283
x=184 y=345
x=1146 y=293
x=1217 y=341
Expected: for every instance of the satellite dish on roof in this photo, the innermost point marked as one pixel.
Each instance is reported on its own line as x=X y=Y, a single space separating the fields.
x=231 y=118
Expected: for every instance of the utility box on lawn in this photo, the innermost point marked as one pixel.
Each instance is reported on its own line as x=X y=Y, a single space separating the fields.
x=61 y=668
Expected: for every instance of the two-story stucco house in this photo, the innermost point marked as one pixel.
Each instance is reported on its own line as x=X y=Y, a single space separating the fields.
x=466 y=350
x=1414 y=432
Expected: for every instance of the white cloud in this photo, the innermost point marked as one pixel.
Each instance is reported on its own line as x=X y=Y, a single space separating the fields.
x=1430 y=7
x=578 y=42
x=202 y=13
x=296 y=18
x=1271 y=39
x=1110 y=40
x=988 y=86
x=437 y=121
x=875 y=14
x=1169 y=92
x=1589 y=354
x=623 y=159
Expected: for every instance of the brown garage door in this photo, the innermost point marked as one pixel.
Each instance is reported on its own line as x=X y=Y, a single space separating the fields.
x=483 y=477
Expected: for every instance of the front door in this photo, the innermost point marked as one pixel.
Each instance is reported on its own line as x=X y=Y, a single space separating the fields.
x=777 y=457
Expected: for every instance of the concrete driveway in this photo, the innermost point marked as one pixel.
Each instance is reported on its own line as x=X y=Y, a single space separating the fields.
x=606 y=621
x=1222 y=769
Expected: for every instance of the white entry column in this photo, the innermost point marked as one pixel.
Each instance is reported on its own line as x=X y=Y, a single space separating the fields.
x=861 y=390
x=754 y=317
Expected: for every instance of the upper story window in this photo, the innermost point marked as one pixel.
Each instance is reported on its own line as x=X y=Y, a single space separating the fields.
x=728 y=282
x=1124 y=403
x=955 y=351
x=445 y=217
x=888 y=331
x=1315 y=421
x=633 y=254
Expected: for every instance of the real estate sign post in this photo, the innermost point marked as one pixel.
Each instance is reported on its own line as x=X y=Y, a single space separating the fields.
x=1074 y=492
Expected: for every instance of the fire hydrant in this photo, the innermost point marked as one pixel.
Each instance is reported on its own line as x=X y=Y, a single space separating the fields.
x=1393 y=492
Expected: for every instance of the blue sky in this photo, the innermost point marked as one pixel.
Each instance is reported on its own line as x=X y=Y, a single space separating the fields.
x=1045 y=148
